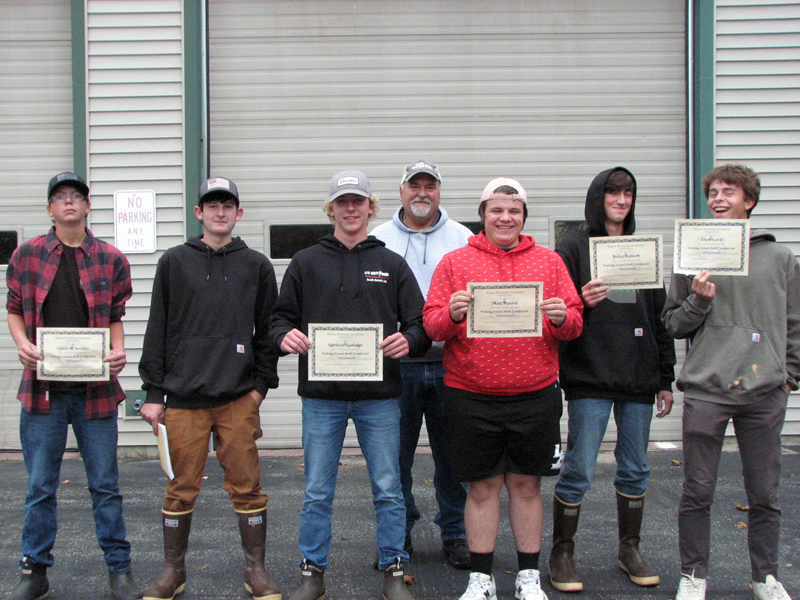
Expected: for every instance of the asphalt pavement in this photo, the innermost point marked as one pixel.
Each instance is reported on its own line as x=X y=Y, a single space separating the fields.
x=215 y=562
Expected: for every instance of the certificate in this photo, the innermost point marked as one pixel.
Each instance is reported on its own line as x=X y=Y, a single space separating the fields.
x=714 y=245
x=73 y=354
x=628 y=261
x=345 y=352
x=505 y=309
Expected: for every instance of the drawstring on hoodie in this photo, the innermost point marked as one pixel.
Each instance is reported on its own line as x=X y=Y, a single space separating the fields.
x=209 y=251
x=424 y=249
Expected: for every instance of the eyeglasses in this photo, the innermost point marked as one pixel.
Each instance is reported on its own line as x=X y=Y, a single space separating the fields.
x=62 y=197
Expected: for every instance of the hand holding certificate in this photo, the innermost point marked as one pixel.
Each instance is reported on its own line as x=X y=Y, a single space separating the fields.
x=629 y=261
x=505 y=309
x=713 y=245
x=345 y=352
x=73 y=354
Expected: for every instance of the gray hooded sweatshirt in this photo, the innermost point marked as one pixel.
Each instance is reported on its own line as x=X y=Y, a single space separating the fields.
x=746 y=341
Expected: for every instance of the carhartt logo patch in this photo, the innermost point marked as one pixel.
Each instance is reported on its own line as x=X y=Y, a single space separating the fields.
x=255 y=520
x=171 y=522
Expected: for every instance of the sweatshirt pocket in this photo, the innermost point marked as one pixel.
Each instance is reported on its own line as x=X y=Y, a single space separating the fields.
x=210 y=366
x=732 y=360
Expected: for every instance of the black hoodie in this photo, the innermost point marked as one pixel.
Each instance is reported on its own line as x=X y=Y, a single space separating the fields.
x=624 y=352
x=329 y=283
x=206 y=342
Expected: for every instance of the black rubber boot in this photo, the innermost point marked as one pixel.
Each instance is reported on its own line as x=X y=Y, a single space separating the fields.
x=123 y=586
x=394 y=583
x=33 y=584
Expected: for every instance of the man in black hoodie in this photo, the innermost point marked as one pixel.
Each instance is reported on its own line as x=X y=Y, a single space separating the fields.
x=206 y=349
x=623 y=360
x=350 y=278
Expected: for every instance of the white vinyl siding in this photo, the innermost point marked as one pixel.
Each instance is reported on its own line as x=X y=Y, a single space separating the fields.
x=757 y=105
x=550 y=93
x=35 y=144
x=135 y=141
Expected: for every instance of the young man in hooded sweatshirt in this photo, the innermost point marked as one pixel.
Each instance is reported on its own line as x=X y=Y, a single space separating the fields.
x=502 y=401
x=206 y=350
x=349 y=277
x=422 y=232
x=743 y=361
x=623 y=360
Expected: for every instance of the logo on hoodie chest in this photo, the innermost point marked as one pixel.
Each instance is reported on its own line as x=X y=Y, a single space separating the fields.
x=376 y=276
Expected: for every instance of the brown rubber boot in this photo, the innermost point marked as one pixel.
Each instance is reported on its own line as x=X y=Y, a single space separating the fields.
x=394 y=583
x=312 y=584
x=563 y=574
x=257 y=582
x=629 y=513
x=172 y=580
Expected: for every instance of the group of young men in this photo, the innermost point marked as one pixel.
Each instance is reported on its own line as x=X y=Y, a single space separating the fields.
x=491 y=405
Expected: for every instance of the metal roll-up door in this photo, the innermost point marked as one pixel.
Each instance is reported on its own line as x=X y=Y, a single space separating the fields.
x=35 y=144
x=550 y=93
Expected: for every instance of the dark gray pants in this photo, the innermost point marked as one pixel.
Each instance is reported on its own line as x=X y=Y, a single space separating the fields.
x=758 y=434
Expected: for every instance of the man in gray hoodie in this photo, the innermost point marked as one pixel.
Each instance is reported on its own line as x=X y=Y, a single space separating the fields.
x=422 y=233
x=743 y=362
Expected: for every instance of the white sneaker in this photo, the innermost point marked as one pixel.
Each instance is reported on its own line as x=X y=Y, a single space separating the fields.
x=480 y=587
x=528 y=586
x=691 y=588
x=771 y=589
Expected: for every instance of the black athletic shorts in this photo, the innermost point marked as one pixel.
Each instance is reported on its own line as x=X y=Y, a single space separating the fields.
x=491 y=435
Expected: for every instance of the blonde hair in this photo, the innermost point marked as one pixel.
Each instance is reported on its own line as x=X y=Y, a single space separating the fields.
x=374 y=204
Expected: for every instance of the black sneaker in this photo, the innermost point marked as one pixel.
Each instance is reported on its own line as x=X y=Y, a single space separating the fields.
x=408 y=546
x=457 y=553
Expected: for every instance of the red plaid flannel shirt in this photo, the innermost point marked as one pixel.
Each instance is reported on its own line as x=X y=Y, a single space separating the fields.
x=106 y=280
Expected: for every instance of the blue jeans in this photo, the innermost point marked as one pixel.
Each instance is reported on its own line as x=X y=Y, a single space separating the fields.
x=44 y=438
x=588 y=419
x=378 y=428
x=422 y=396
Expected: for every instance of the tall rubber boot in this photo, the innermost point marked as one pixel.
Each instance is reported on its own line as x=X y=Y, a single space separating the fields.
x=563 y=574
x=257 y=582
x=172 y=580
x=629 y=514
x=33 y=584
x=394 y=583
x=312 y=583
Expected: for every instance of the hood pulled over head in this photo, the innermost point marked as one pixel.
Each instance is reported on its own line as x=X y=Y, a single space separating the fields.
x=595 y=211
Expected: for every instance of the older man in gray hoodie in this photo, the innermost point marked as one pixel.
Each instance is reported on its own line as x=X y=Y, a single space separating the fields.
x=422 y=233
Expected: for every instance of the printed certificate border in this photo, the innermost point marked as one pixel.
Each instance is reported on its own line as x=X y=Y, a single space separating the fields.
x=536 y=331
x=744 y=236
x=658 y=282
x=375 y=375
x=42 y=334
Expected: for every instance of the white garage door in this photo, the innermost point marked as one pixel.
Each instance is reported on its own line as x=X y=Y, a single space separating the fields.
x=547 y=92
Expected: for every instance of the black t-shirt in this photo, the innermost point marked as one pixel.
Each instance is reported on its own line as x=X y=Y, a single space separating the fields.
x=66 y=306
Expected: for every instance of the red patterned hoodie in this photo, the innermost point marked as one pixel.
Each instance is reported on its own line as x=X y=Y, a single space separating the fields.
x=500 y=366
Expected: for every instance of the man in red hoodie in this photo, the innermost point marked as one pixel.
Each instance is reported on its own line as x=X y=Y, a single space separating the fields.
x=502 y=399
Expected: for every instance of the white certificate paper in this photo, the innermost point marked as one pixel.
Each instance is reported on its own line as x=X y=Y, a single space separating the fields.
x=628 y=261
x=73 y=354
x=163 y=451
x=505 y=309
x=345 y=352
x=713 y=245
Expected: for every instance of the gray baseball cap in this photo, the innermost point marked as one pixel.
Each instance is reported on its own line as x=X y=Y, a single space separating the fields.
x=421 y=166
x=349 y=182
x=218 y=187
x=68 y=178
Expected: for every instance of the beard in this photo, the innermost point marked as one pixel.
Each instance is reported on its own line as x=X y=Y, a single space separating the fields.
x=420 y=207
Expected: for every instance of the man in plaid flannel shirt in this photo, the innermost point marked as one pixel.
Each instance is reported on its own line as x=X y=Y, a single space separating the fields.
x=69 y=278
